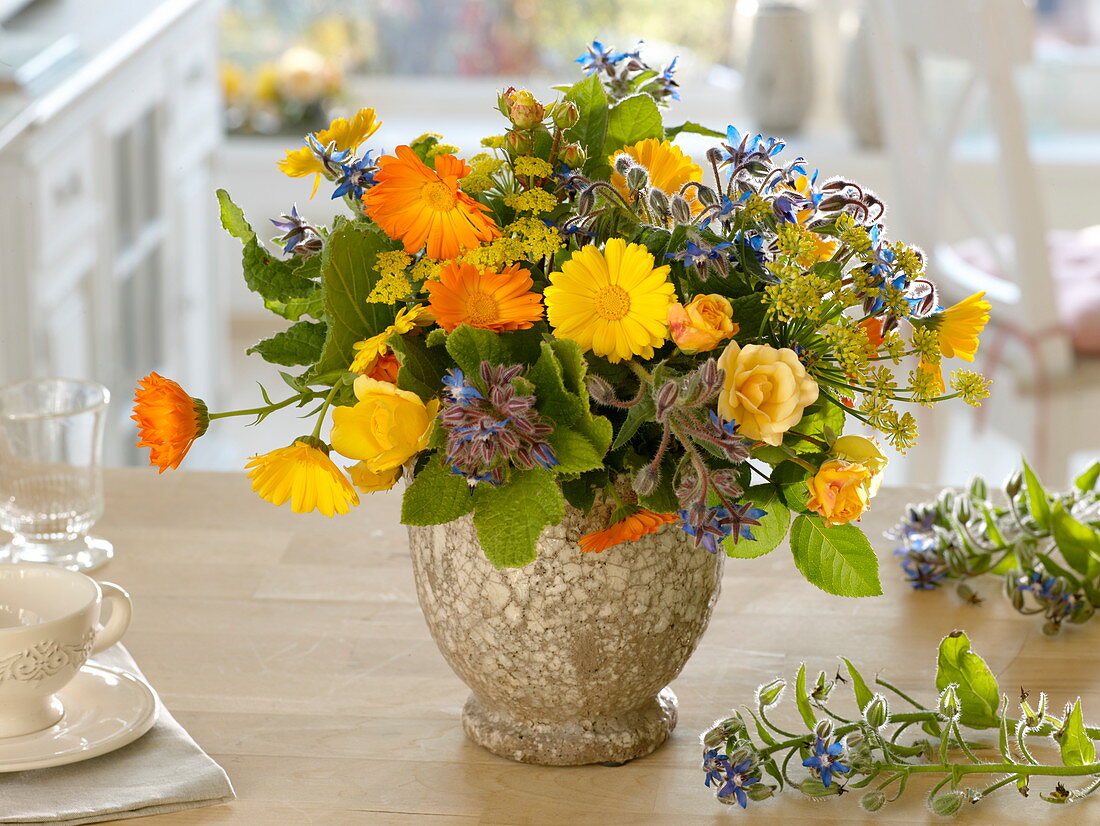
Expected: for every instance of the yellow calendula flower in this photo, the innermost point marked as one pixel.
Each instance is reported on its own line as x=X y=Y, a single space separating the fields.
x=304 y=474
x=368 y=351
x=668 y=167
x=613 y=302
x=386 y=426
x=960 y=325
x=348 y=133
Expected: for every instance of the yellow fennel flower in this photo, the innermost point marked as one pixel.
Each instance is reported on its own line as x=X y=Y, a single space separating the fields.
x=304 y=474
x=613 y=302
x=668 y=167
x=348 y=134
x=960 y=325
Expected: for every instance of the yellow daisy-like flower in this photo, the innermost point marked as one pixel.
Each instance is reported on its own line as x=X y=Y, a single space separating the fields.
x=960 y=325
x=348 y=134
x=669 y=168
x=368 y=351
x=306 y=476
x=614 y=303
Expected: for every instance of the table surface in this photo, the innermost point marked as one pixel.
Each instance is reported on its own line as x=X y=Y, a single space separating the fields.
x=293 y=650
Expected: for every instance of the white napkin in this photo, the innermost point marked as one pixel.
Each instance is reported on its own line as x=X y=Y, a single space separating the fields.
x=163 y=771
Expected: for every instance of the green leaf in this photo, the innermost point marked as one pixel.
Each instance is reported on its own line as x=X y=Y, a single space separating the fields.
x=598 y=431
x=422 y=367
x=793 y=481
x=632 y=120
x=509 y=518
x=233 y=218
x=636 y=416
x=562 y=405
x=469 y=346
x=773 y=525
x=348 y=273
x=838 y=559
x=591 y=126
x=1087 y=480
x=1037 y=501
x=748 y=312
x=436 y=496
x=977 y=688
x=802 y=698
x=299 y=343
x=1079 y=544
x=1073 y=741
x=312 y=305
x=581 y=492
x=694 y=129
x=816 y=419
x=575 y=453
x=859 y=685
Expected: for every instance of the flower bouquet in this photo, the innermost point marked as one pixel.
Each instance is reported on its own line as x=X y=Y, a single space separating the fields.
x=584 y=320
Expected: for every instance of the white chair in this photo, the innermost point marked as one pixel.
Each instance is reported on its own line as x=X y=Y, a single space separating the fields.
x=987 y=40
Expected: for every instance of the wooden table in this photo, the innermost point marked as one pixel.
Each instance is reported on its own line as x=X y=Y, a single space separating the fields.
x=293 y=650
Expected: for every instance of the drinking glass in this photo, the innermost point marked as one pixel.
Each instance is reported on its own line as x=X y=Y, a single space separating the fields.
x=51 y=480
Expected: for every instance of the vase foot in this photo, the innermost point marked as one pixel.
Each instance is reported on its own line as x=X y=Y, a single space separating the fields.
x=611 y=739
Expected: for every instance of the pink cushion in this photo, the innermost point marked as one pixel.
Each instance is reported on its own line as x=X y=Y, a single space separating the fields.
x=1075 y=265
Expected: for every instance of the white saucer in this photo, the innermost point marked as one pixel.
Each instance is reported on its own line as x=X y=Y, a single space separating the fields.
x=105 y=709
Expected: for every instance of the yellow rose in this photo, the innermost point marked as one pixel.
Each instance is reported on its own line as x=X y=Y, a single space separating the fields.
x=368 y=482
x=703 y=324
x=385 y=428
x=863 y=451
x=839 y=491
x=765 y=390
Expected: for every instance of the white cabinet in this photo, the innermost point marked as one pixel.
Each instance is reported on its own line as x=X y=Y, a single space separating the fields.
x=109 y=216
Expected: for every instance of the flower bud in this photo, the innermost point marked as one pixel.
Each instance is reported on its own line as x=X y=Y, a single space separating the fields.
x=646 y=479
x=1014 y=483
x=637 y=178
x=667 y=395
x=1082 y=611
x=680 y=209
x=873 y=801
x=722 y=730
x=1017 y=598
x=714 y=155
x=565 y=114
x=1051 y=628
x=623 y=163
x=586 y=201
x=726 y=483
x=600 y=390
x=707 y=196
x=522 y=108
x=759 y=791
x=518 y=143
x=572 y=155
x=739 y=756
x=978 y=488
x=877 y=712
x=824 y=729
x=812 y=787
x=945 y=805
x=770 y=693
x=658 y=203
x=949 y=702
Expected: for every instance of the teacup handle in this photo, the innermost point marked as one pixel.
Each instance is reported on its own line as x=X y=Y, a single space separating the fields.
x=116 y=625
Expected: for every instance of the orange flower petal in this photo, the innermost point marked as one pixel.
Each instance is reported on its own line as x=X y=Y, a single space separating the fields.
x=169 y=421
x=633 y=527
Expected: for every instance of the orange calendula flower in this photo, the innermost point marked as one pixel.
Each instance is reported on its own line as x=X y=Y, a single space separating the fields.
x=634 y=526
x=872 y=328
x=498 y=301
x=168 y=419
x=304 y=474
x=348 y=133
x=424 y=208
x=960 y=325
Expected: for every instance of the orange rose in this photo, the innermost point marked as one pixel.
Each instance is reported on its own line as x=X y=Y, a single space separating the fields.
x=703 y=324
x=839 y=491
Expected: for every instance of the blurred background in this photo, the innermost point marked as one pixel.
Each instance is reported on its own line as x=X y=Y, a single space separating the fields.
x=977 y=121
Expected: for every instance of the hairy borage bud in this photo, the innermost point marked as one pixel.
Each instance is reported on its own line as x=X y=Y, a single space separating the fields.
x=637 y=178
x=770 y=694
x=877 y=712
x=680 y=209
x=623 y=163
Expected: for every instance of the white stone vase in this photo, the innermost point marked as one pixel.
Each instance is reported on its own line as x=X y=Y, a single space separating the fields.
x=568 y=658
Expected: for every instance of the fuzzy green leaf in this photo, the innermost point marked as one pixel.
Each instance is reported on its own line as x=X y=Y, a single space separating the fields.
x=1037 y=501
x=977 y=688
x=348 y=273
x=632 y=120
x=1079 y=544
x=233 y=218
x=838 y=559
x=312 y=305
x=575 y=453
x=299 y=343
x=1073 y=741
x=688 y=127
x=859 y=685
x=636 y=416
x=591 y=127
x=772 y=528
x=554 y=400
x=436 y=496
x=802 y=698
x=469 y=346
x=422 y=367
x=510 y=518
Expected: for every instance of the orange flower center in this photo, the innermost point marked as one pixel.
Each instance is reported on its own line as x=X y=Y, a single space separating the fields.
x=438 y=196
x=612 y=303
x=481 y=310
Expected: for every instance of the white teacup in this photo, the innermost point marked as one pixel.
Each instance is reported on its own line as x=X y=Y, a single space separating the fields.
x=49 y=626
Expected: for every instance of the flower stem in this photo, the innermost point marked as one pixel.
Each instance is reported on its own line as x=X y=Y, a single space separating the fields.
x=268 y=408
x=324 y=409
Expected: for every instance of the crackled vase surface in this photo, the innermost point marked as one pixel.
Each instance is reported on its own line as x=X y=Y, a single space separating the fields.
x=568 y=658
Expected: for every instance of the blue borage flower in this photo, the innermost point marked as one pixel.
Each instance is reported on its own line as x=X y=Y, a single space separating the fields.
x=696 y=254
x=298 y=236
x=712 y=525
x=728 y=781
x=825 y=761
x=458 y=390
x=922 y=576
x=330 y=157
x=598 y=58
x=355 y=177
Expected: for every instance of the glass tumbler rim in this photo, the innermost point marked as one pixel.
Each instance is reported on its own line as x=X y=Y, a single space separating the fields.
x=98 y=403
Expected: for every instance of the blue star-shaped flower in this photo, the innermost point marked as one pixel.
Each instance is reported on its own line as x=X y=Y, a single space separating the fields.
x=825 y=760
